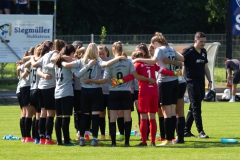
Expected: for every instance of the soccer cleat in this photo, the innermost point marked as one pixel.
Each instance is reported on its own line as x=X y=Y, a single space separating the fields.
x=69 y=144
x=202 y=135
x=113 y=145
x=120 y=138
x=188 y=134
x=102 y=138
x=49 y=142
x=59 y=144
x=161 y=139
x=36 y=141
x=28 y=139
x=166 y=143
x=81 y=142
x=141 y=145
x=87 y=137
x=232 y=100
x=126 y=145
x=94 y=142
x=178 y=141
x=152 y=144
x=42 y=141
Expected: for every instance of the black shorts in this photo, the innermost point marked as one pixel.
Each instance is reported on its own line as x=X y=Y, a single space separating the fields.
x=120 y=100
x=181 y=90
x=135 y=95
x=25 y=94
x=91 y=100
x=64 y=105
x=20 y=100
x=77 y=100
x=105 y=101
x=4 y=4
x=34 y=99
x=47 y=99
x=236 y=77
x=168 y=92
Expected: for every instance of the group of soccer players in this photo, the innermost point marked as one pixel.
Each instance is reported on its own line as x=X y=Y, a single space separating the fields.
x=55 y=78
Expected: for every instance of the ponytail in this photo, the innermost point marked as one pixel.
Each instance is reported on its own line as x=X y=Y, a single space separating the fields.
x=159 y=38
x=67 y=50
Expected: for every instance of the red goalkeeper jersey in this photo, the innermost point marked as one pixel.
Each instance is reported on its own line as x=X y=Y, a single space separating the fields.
x=146 y=70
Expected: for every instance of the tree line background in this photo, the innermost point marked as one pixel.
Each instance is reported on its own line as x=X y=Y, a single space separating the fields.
x=83 y=17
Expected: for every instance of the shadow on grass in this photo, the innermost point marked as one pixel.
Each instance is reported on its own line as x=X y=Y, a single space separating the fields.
x=194 y=143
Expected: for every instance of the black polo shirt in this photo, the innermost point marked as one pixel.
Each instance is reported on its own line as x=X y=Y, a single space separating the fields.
x=233 y=65
x=195 y=63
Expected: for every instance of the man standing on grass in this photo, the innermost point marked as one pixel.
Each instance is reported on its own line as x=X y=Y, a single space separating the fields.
x=195 y=68
x=232 y=65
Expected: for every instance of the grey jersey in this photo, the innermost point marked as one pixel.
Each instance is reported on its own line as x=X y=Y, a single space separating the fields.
x=119 y=70
x=43 y=83
x=166 y=52
x=64 y=82
x=24 y=81
x=34 y=78
x=88 y=72
x=105 y=87
x=18 y=86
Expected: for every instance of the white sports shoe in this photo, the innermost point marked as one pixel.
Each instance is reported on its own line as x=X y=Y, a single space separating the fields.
x=232 y=100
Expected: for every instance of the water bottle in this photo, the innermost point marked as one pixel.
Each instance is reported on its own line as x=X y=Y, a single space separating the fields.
x=180 y=78
x=225 y=140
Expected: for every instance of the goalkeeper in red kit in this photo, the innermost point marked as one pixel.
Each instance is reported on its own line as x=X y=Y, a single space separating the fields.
x=147 y=97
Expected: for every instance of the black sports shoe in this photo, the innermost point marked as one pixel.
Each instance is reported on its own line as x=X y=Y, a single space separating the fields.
x=113 y=145
x=141 y=145
x=178 y=141
x=188 y=134
x=202 y=135
x=126 y=145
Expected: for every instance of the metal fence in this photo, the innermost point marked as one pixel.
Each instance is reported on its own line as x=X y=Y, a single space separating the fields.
x=171 y=38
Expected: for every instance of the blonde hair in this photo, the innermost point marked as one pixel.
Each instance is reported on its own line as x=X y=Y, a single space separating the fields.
x=158 y=37
x=118 y=47
x=91 y=53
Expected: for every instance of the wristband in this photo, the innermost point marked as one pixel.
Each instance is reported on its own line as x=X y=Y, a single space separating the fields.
x=210 y=81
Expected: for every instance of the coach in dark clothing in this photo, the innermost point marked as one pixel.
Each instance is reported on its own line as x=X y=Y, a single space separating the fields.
x=232 y=65
x=195 y=68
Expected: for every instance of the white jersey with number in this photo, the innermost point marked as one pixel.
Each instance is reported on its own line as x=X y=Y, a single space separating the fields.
x=166 y=52
x=119 y=70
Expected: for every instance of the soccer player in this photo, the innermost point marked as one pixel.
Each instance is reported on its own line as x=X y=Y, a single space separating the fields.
x=64 y=100
x=232 y=65
x=168 y=88
x=39 y=51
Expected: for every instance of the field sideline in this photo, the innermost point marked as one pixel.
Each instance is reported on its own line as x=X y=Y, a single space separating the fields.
x=220 y=120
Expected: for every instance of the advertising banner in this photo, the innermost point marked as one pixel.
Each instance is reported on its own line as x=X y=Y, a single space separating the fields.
x=235 y=17
x=20 y=32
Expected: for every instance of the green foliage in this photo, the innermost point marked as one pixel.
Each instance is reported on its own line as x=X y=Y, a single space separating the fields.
x=103 y=34
x=136 y=17
x=220 y=120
